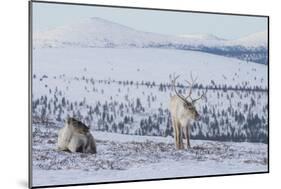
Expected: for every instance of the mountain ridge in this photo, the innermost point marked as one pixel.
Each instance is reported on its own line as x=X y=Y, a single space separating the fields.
x=99 y=32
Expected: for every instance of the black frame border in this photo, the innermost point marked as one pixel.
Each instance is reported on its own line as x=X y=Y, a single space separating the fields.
x=30 y=63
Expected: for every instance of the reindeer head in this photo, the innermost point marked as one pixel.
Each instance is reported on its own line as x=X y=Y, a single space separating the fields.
x=189 y=109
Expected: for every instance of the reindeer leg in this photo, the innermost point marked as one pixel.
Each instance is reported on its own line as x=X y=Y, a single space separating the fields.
x=187 y=137
x=175 y=132
x=177 y=136
x=180 y=138
x=177 y=139
x=179 y=132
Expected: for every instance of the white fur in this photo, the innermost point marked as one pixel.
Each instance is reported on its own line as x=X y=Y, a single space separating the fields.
x=181 y=118
x=71 y=140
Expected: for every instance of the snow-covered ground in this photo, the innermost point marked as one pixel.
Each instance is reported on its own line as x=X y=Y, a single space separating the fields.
x=148 y=64
x=127 y=157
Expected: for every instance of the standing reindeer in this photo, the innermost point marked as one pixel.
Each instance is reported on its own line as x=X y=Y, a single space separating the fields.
x=183 y=111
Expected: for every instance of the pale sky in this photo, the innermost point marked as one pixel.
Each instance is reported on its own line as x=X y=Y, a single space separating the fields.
x=50 y=15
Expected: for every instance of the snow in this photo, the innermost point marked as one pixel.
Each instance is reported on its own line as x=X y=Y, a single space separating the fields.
x=254 y=40
x=125 y=157
x=155 y=171
x=98 y=32
x=202 y=37
x=149 y=64
x=76 y=74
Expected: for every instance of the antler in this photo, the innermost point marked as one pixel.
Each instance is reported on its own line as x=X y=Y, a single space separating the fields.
x=203 y=95
x=190 y=89
x=174 y=87
x=190 y=85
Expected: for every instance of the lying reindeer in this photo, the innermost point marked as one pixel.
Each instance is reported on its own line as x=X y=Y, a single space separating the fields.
x=183 y=112
x=76 y=137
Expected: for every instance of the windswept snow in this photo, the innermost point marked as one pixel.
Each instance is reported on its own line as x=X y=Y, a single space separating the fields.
x=125 y=157
x=148 y=64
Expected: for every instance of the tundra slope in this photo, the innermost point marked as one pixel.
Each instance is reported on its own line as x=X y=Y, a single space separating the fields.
x=149 y=64
x=121 y=80
x=126 y=157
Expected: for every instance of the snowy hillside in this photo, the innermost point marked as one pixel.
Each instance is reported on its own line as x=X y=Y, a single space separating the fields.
x=205 y=37
x=128 y=90
x=254 y=40
x=95 y=32
x=125 y=157
x=149 y=64
x=98 y=32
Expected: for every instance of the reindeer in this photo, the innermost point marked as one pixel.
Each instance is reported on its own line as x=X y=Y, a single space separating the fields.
x=76 y=137
x=183 y=111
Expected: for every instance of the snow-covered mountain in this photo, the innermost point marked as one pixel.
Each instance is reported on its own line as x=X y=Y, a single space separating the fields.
x=254 y=40
x=94 y=32
x=206 y=37
x=98 y=32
